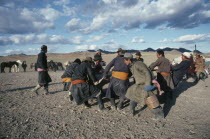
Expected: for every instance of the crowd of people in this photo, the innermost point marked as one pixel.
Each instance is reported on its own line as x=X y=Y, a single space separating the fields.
x=84 y=79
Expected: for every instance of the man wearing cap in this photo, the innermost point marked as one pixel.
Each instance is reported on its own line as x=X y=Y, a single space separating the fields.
x=181 y=69
x=43 y=76
x=163 y=75
x=82 y=90
x=67 y=75
x=119 y=81
x=143 y=88
x=138 y=57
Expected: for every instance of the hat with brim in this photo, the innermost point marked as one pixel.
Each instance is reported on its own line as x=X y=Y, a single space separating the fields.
x=128 y=56
x=120 y=50
x=186 y=54
x=88 y=59
x=138 y=53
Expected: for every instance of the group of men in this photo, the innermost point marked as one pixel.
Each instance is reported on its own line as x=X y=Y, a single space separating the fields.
x=85 y=79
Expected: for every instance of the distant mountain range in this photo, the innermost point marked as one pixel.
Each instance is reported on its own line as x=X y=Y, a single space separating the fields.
x=181 y=50
x=168 y=49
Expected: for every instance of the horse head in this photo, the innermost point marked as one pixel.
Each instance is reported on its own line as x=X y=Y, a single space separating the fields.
x=19 y=62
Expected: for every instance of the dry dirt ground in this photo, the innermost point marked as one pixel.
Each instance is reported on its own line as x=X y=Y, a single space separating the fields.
x=25 y=115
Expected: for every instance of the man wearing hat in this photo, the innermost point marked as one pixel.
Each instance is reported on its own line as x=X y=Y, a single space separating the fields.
x=119 y=81
x=138 y=57
x=43 y=76
x=82 y=90
x=143 y=88
x=181 y=69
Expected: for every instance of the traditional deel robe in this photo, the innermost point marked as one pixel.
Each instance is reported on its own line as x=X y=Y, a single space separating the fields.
x=199 y=64
x=67 y=75
x=180 y=70
x=163 y=73
x=43 y=76
x=81 y=89
x=119 y=82
x=143 y=77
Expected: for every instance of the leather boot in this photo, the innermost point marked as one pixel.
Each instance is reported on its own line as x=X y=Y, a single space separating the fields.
x=101 y=104
x=46 y=91
x=35 y=90
x=86 y=104
x=159 y=115
x=120 y=104
x=113 y=105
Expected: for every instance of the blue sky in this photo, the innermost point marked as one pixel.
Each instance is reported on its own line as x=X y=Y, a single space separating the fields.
x=78 y=25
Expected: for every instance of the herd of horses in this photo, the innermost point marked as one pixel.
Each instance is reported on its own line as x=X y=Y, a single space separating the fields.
x=14 y=66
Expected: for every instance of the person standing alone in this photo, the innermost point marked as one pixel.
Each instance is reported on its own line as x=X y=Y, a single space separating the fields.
x=43 y=76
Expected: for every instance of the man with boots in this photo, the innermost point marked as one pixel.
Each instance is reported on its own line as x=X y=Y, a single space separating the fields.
x=67 y=75
x=163 y=75
x=119 y=81
x=43 y=76
x=82 y=90
x=142 y=91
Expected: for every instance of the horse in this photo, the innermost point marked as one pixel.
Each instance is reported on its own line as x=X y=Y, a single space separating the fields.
x=59 y=66
x=10 y=65
x=52 y=65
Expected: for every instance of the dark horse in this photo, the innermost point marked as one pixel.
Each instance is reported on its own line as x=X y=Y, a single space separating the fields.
x=52 y=65
x=59 y=66
x=9 y=65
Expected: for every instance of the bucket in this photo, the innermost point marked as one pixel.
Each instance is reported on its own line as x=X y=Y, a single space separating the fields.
x=152 y=102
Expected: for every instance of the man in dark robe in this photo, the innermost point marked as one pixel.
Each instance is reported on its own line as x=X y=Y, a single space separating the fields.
x=43 y=76
x=119 y=81
x=143 y=88
x=181 y=69
x=163 y=75
x=67 y=75
x=82 y=90
x=24 y=66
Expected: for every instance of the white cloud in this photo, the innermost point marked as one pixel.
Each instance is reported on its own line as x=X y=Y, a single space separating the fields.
x=50 y=14
x=24 y=20
x=74 y=25
x=109 y=46
x=138 y=40
x=28 y=51
x=61 y=2
x=195 y=38
x=38 y=39
x=96 y=38
x=129 y=14
x=97 y=23
x=110 y=1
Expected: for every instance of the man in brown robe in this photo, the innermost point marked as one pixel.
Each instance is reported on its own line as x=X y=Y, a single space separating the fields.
x=199 y=64
x=143 y=88
x=163 y=75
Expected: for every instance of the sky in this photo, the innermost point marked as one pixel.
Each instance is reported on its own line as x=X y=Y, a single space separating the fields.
x=78 y=25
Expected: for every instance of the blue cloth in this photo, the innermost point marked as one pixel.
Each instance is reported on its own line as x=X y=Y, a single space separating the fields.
x=149 y=88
